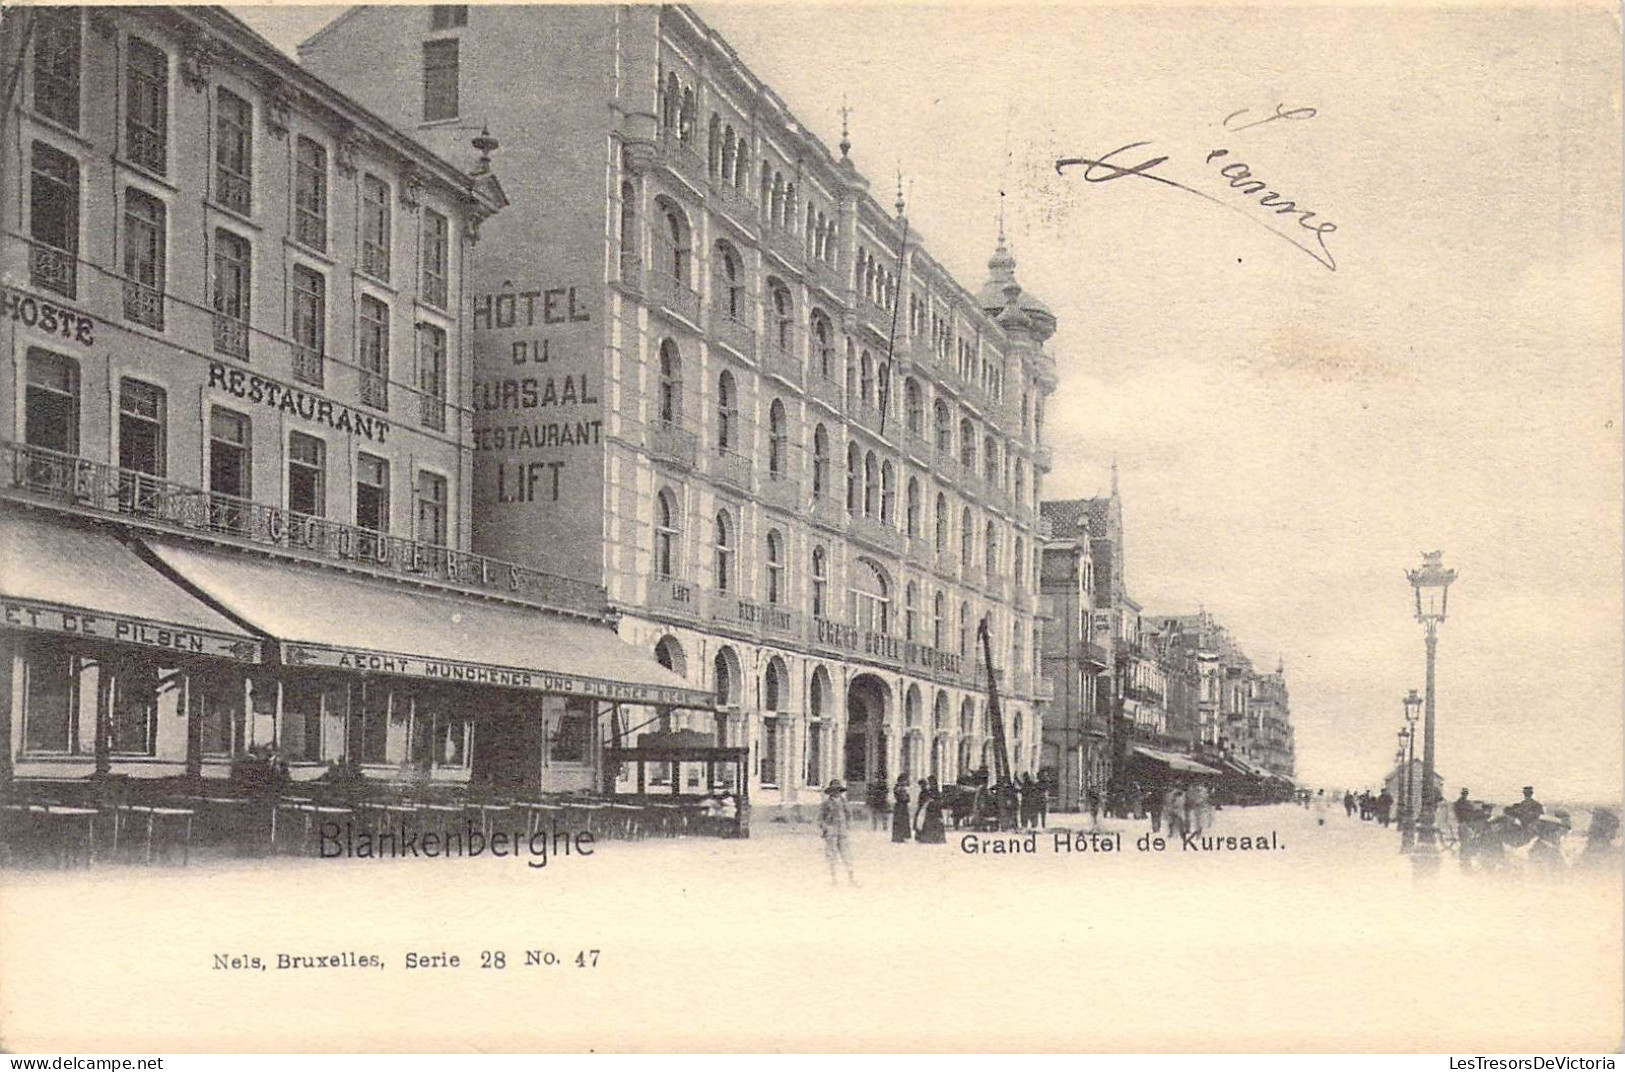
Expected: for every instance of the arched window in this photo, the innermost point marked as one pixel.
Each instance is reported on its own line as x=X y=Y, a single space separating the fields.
x=854 y=477
x=942 y=523
x=1020 y=564
x=742 y=167
x=820 y=583
x=671 y=383
x=767 y=187
x=727 y=414
x=871 y=485
x=939 y=615
x=870 y=597
x=668 y=534
x=883 y=397
x=778 y=440
x=669 y=653
x=911 y=598
x=730 y=145
x=914 y=407
x=671 y=104
x=866 y=378
x=784 y=316
x=823 y=344
x=851 y=373
x=911 y=509
x=945 y=428
x=676 y=255
x=990 y=460
x=775 y=685
x=727 y=690
x=967 y=539
x=967 y=718
x=689 y=118
x=888 y=494
x=713 y=146
x=777 y=213
x=727 y=283
x=1026 y=411
x=629 y=222
x=990 y=547
x=964 y=630
x=1018 y=648
x=775 y=567
x=1021 y=482
x=967 y=446
x=820 y=462
x=725 y=552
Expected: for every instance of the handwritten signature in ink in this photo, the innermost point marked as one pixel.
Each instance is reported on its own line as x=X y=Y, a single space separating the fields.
x=1281 y=112
x=1311 y=233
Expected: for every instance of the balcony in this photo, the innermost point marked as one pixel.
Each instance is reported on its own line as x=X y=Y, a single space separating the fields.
x=375 y=261
x=877 y=533
x=433 y=410
x=143 y=304
x=931 y=660
x=374 y=390
x=230 y=336
x=53 y=269
x=877 y=318
x=869 y=415
x=827 y=391
x=780 y=352
x=882 y=646
x=683 y=159
x=996 y=586
x=234 y=191
x=667 y=595
x=138 y=498
x=919 y=448
x=728 y=467
x=783 y=492
x=921 y=553
x=733 y=330
x=147 y=148
x=829 y=511
x=787 y=244
x=733 y=200
x=826 y=275
x=832 y=635
x=309 y=366
x=673 y=444
x=675 y=296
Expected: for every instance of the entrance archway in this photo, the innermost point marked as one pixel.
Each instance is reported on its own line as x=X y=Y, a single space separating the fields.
x=868 y=709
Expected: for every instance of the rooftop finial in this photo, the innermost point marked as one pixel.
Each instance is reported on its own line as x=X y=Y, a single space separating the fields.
x=486 y=145
x=1114 y=476
x=1001 y=217
x=900 y=192
x=846 y=129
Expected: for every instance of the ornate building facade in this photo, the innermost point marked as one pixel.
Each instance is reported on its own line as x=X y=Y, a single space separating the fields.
x=718 y=376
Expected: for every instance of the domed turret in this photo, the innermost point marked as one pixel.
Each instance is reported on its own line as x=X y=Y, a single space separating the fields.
x=994 y=295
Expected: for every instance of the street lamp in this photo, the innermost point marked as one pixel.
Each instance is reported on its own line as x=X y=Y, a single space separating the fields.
x=1432 y=583
x=1407 y=815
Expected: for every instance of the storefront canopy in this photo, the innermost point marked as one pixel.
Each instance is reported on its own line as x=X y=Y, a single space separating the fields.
x=1173 y=760
x=69 y=579
x=323 y=618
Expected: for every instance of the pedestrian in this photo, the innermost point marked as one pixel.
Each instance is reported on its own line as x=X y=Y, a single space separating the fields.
x=931 y=829
x=900 y=822
x=834 y=823
x=1526 y=813
x=1159 y=808
x=1029 y=801
x=1546 y=854
x=1094 y=806
x=1321 y=805
x=1385 y=806
x=1199 y=808
x=879 y=812
x=1174 y=815
x=1599 y=848
x=1348 y=802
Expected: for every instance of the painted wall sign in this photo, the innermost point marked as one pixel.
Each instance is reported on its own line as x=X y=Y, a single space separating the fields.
x=49 y=318
x=261 y=391
x=91 y=625
x=482 y=674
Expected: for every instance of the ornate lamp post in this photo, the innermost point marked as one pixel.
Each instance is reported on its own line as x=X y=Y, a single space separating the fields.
x=1407 y=814
x=1432 y=584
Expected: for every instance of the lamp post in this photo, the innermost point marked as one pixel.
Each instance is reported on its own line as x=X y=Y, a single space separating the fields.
x=1432 y=584
x=1407 y=815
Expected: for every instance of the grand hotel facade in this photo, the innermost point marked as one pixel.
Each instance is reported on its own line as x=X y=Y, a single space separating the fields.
x=713 y=372
x=234 y=381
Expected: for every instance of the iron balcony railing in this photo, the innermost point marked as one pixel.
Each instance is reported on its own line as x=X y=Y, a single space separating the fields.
x=143 y=304
x=730 y=467
x=675 y=295
x=98 y=488
x=374 y=390
x=309 y=366
x=783 y=491
x=230 y=336
x=733 y=329
x=235 y=191
x=53 y=269
x=670 y=442
x=433 y=412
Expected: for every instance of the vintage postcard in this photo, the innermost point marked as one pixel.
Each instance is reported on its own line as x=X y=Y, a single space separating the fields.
x=810 y=528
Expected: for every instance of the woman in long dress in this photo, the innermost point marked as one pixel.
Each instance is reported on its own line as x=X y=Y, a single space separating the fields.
x=901 y=826
x=932 y=831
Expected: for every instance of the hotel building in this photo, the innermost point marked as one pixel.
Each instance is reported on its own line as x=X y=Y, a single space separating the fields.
x=715 y=374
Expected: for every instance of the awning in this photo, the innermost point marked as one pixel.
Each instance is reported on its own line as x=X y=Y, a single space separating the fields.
x=68 y=579
x=1174 y=760
x=324 y=618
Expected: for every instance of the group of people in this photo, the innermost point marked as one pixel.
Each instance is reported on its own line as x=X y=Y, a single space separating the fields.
x=1379 y=807
x=924 y=824
x=1487 y=840
x=1178 y=807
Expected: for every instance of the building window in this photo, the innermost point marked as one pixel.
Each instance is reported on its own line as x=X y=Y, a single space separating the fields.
x=57 y=37
x=231 y=293
x=820 y=583
x=888 y=495
x=375 y=227
x=778 y=440
x=310 y=194
x=448 y=16
x=50 y=699
x=727 y=414
x=990 y=547
x=51 y=417
x=768 y=752
x=967 y=539
x=911 y=509
x=572 y=740
x=230 y=469
x=942 y=523
x=854 y=478
x=309 y=325
x=727 y=288
x=820 y=486
x=967 y=446
x=372 y=342
x=439 y=80
x=911 y=599
x=436 y=256
x=630 y=262
x=372 y=493
x=307 y=475
x=144 y=218
x=939 y=614
x=139 y=687
x=870 y=597
x=141 y=428
x=671 y=384
x=667 y=534
x=823 y=345
x=784 y=324
x=234 y=152
x=724 y=552
x=964 y=630
x=775 y=567
x=432 y=509
x=432 y=375
x=146 y=115
x=676 y=253
x=53 y=220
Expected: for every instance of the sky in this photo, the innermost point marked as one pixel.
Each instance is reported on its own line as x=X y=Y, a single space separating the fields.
x=1291 y=438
